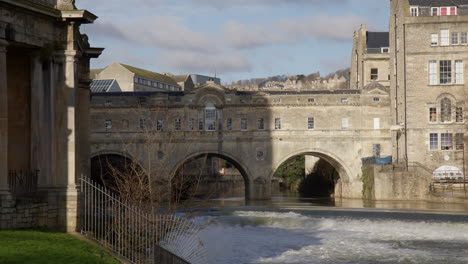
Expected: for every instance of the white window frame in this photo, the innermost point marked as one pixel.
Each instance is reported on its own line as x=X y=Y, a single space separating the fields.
x=374 y=76
x=344 y=123
x=432 y=112
x=385 y=50
x=376 y=123
x=433 y=72
x=414 y=11
x=434 y=39
x=159 y=125
x=433 y=142
x=444 y=37
x=446 y=77
x=344 y=100
x=437 y=11
x=459 y=72
x=376 y=99
x=446 y=141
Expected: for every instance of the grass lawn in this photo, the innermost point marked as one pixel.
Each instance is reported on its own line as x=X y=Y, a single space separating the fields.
x=48 y=247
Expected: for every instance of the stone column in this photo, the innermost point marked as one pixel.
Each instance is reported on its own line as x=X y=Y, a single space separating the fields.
x=3 y=119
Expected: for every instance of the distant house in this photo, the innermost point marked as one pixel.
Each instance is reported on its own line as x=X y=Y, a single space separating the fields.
x=184 y=81
x=127 y=78
x=202 y=79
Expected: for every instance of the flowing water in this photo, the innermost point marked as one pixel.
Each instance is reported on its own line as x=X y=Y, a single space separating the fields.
x=294 y=232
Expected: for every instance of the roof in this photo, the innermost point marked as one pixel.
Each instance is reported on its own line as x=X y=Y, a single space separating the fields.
x=377 y=40
x=438 y=2
x=180 y=78
x=299 y=92
x=150 y=75
x=101 y=86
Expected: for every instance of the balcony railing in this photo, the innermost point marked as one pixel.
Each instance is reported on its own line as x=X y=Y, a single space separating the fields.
x=23 y=182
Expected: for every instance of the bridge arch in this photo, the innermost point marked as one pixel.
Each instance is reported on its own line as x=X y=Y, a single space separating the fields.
x=104 y=161
x=236 y=162
x=338 y=163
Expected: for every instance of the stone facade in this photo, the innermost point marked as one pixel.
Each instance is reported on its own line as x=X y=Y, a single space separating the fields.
x=255 y=131
x=429 y=58
x=370 y=60
x=44 y=106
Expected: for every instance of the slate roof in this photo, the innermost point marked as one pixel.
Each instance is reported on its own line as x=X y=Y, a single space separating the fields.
x=150 y=75
x=101 y=86
x=377 y=40
x=438 y=2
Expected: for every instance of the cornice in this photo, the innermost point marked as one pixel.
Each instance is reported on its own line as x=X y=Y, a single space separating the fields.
x=35 y=6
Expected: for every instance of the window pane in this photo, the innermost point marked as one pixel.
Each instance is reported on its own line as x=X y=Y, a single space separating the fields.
x=277 y=123
x=459 y=115
x=432 y=114
x=374 y=74
x=191 y=124
x=159 y=125
x=454 y=38
x=142 y=123
x=260 y=124
x=444 y=37
x=414 y=11
x=108 y=124
x=243 y=123
x=464 y=38
x=344 y=123
x=434 y=142
x=229 y=124
x=459 y=72
x=200 y=120
x=210 y=119
x=460 y=145
x=453 y=11
x=433 y=72
x=376 y=123
x=311 y=123
x=445 y=71
x=446 y=141
x=445 y=110
x=434 y=39
x=435 y=11
x=178 y=124
x=443 y=11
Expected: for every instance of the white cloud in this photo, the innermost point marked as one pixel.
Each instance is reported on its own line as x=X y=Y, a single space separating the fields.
x=322 y=26
x=197 y=62
x=249 y=36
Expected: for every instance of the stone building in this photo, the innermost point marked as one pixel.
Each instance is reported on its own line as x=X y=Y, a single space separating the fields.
x=429 y=55
x=255 y=131
x=44 y=118
x=370 y=59
x=131 y=79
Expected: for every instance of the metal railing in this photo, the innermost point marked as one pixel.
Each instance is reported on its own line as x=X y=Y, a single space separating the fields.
x=134 y=235
x=23 y=182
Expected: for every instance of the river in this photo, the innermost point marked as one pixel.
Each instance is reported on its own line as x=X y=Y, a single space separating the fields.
x=292 y=230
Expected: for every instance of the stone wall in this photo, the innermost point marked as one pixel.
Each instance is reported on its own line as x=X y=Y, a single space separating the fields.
x=27 y=213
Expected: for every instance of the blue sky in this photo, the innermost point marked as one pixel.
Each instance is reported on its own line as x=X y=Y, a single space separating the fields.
x=237 y=39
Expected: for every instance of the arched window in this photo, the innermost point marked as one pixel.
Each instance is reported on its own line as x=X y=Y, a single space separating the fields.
x=445 y=110
x=210 y=117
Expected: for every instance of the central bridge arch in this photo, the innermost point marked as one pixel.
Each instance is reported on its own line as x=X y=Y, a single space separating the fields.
x=236 y=162
x=333 y=159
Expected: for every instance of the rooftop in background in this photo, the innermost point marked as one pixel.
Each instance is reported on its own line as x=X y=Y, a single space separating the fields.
x=202 y=79
x=438 y=2
x=104 y=86
x=150 y=75
x=377 y=41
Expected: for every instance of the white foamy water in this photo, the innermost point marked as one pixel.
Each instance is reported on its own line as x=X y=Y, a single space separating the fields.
x=273 y=237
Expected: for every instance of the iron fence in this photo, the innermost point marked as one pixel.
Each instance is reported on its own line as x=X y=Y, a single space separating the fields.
x=137 y=236
x=23 y=182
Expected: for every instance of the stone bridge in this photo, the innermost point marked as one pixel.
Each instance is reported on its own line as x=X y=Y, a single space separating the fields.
x=255 y=131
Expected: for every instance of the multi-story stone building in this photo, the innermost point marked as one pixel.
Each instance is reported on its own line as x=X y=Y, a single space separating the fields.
x=428 y=58
x=118 y=77
x=44 y=111
x=370 y=59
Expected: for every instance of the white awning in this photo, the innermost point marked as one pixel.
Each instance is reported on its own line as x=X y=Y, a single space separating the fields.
x=447 y=172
